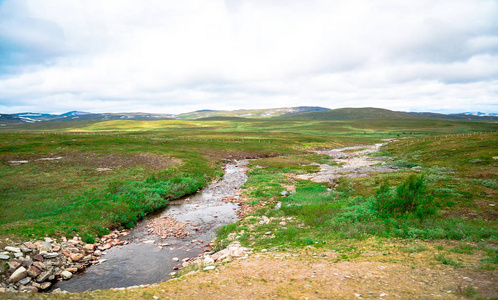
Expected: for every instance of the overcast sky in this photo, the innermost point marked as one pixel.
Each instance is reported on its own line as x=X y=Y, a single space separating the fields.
x=178 y=56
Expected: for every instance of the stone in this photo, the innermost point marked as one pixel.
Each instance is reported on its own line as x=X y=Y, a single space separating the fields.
x=208 y=260
x=51 y=255
x=176 y=259
x=19 y=274
x=264 y=220
x=40 y=265
x=45 y=285
x=209 y=268
x=33 y=271
x=89 y=247
x=48 y=246
x=25 y=281
x=18 y=254
x=14 y=264
x=27 y=262
x=30 y=245
x=28 y=289
x=66 y=275
x=285 y=193
x=76 y=256
x=4 y=257
x=38 y=257
x=41 y=247
x=72 y=270
x=12 y=249
x=97 y=253
x=44 y=276
x=49 y=240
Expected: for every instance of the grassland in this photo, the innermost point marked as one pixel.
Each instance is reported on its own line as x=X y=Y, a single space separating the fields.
x=153 y=162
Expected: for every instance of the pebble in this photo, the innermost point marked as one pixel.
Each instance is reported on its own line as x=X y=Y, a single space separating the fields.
x=383 y=295
x=175 y=259
x=209 y=268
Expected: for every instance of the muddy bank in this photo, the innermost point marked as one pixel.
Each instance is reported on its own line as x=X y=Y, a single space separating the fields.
x=153 y=252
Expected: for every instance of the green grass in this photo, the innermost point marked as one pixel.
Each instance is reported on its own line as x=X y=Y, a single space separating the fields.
x=155 y=161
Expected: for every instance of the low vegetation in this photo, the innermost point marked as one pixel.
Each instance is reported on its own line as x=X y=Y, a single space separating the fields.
x=441 y=199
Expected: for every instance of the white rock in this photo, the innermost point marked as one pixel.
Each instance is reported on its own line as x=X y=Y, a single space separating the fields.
x=176 y=259
x=19 y=274
x=12 y=249
x=4 y=257
x=208 y=260
x=209 y=268
x=66 y=275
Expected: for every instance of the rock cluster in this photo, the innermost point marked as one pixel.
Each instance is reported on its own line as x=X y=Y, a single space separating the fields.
x=209 y=261
x=36 y=266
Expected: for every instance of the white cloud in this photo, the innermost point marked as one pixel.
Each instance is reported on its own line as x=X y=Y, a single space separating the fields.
x=175 y=56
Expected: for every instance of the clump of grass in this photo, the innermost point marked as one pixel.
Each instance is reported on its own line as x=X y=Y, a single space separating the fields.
x=447 y=261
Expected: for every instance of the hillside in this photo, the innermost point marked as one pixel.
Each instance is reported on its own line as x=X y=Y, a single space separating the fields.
x=380 y=113
x=251 y=113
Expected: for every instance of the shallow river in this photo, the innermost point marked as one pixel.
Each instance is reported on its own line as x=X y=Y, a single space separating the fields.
x=144 y=263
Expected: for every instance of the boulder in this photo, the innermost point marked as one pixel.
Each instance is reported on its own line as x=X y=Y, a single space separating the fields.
x=19 y=274
x=66 y=275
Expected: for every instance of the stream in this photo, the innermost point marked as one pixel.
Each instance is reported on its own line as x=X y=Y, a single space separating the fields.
x=148 y=258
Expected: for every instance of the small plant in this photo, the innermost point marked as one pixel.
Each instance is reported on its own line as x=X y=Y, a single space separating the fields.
x=466 y=291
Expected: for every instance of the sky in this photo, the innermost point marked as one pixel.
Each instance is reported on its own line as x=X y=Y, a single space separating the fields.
x=163 y=56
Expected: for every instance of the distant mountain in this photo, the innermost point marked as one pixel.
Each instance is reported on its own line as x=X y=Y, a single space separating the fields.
x=477 y=113
x=295 y=113
x=29 y=117
x=250 y=113
x=75 y=113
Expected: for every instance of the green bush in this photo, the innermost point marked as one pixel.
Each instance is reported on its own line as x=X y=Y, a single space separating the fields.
x=409 y=198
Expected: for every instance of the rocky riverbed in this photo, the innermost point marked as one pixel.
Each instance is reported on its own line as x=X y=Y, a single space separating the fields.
x=37 y=265
x=149 y=253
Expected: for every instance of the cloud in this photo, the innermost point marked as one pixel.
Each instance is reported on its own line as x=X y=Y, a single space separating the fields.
x=175 y=56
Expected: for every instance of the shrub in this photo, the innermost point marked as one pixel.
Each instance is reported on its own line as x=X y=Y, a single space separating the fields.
x=410 y=197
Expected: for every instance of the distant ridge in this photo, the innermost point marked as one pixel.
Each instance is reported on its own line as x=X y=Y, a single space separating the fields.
x=250 y=113
x=380 y=113
x=295 y=113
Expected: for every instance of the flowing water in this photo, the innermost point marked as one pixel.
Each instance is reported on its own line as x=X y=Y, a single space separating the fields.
x=148 y=258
